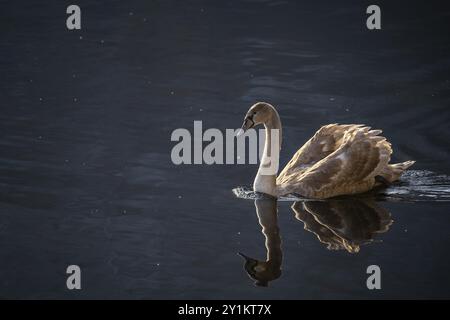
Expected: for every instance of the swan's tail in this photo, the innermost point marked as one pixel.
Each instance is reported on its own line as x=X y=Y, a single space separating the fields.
x=393 y=171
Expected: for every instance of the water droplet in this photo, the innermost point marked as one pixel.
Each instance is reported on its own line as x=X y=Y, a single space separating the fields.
x=331 y=99
x=81 y=37
x=179 y=197
x=75 y=99
x=131 y=13
x=172 y=93
x=102 y=41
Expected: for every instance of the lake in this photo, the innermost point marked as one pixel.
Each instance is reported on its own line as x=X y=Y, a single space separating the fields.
x=86 y=173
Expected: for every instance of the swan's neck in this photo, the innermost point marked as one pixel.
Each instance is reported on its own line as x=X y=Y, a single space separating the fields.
x=265 y=180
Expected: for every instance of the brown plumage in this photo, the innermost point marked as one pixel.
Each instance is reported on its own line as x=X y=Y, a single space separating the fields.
x=339 y=159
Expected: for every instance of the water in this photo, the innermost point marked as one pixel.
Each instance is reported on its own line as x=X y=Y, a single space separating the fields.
x=86 y=175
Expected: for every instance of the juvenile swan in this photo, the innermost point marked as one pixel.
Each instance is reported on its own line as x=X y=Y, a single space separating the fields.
x=339 y=159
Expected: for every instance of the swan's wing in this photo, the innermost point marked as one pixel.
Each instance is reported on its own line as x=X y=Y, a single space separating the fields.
x=351 y=168
x=324 y=142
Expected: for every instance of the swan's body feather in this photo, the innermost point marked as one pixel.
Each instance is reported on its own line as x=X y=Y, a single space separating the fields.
x=339 y=159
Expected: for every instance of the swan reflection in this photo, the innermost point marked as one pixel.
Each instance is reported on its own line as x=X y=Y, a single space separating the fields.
x=270 y=269
x=344 y=224
x=340 y=224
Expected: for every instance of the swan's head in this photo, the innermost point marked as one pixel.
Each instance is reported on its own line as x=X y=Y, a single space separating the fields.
x=259 y=113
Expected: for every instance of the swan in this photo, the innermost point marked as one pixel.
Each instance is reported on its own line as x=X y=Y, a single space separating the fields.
x=340 y=159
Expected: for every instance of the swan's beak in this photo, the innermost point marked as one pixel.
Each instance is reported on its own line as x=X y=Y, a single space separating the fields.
x=248 y=124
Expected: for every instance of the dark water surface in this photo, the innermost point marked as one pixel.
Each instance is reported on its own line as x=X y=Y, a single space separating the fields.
x=86 y=176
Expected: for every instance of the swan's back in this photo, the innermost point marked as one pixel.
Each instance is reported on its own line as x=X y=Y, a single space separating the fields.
x=338 y=160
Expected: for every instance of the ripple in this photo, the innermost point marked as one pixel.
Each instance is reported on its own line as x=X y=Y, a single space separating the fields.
x=419 y=185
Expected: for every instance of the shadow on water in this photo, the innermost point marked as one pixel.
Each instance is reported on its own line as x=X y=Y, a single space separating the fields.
x=342 y=223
